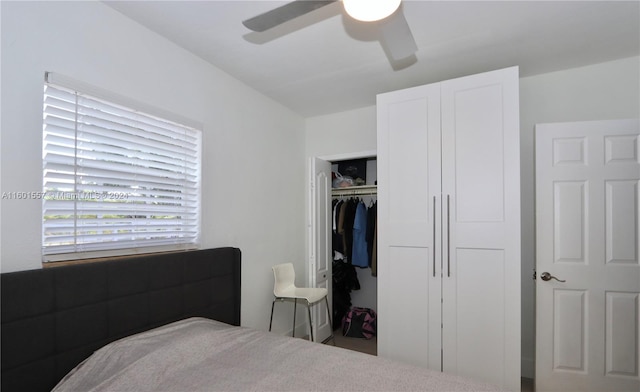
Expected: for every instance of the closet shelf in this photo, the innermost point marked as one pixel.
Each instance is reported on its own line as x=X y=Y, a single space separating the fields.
x=355 y=190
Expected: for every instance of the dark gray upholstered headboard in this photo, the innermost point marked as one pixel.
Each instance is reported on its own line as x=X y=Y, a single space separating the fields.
x=54 y=318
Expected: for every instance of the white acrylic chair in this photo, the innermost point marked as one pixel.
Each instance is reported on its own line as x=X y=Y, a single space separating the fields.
x=284 y=288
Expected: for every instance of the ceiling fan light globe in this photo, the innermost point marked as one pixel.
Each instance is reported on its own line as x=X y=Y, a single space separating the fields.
x=370 y=10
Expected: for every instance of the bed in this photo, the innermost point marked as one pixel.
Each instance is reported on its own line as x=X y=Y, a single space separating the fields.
x=171 y=323
x=200 y=354
x=54 y=318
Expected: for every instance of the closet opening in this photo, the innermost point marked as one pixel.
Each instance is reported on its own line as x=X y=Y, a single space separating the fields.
x=354 y=253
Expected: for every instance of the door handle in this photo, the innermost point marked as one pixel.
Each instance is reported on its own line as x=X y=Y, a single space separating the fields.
x=434 y=236
x=547 y=277
x=448 y=238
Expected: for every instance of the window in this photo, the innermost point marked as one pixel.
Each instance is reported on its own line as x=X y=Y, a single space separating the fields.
x=115 y=180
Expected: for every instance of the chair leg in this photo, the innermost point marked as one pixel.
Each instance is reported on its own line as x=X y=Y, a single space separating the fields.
x=310 y=323
x=326 y=300
x=271 y=319
x=295 y=304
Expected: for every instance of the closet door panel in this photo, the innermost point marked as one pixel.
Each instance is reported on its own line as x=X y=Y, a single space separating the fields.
x=408 y=331
x=477 y=156
x=481 y=225
x=410 y=164
x=409 y=283
x=477 y=315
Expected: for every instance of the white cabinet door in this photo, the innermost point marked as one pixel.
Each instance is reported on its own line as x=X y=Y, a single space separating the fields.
x=409 y=267
x=587 y=229
x=481 y=227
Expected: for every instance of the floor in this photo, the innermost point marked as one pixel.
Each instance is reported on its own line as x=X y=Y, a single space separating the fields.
x=370 y=347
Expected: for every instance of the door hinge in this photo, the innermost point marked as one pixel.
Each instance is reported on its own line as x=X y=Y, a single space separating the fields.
x=535 y=276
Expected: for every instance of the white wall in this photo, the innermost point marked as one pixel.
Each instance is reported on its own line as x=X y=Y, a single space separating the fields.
x=602 y=91
x=252 y=196
x=341 y=133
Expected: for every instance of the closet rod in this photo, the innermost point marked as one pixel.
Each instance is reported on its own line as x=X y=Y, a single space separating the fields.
x=355 y=191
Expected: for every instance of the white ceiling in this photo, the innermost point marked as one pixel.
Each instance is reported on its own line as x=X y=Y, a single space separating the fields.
x=324 y=62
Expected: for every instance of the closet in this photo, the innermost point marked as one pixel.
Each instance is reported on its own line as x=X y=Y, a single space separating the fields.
x=449 y=226
x=320 y=232
x=363 y=194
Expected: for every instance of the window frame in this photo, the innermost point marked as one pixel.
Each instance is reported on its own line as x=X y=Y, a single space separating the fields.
x=187 y=198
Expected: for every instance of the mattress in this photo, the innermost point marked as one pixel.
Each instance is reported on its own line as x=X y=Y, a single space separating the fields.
x=200 y=354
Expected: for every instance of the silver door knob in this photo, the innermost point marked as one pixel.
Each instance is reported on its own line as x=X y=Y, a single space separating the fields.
x=547 y=277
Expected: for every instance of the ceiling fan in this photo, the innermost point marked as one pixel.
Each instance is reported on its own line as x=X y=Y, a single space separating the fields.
x=388 y=16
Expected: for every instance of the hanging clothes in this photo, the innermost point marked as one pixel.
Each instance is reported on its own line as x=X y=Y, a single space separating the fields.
x=347 y=235
x=336 y=237
x=340 y=227
x=374 y=252
x=344 y=279
x=359 y=253
x=353 y=236
x=352 y=222
x=372 y=220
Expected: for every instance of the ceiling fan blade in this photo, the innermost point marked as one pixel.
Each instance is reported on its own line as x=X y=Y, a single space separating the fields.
x=283 y=14
x=397 y=36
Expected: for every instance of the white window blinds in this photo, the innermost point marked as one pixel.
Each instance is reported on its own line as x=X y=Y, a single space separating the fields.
x=115 y=181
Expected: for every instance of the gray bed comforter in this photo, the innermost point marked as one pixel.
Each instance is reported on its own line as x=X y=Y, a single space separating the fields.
x=204 y=355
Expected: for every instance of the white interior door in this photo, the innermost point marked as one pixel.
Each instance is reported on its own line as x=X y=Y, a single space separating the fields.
x=587 y=217
x=320 y=257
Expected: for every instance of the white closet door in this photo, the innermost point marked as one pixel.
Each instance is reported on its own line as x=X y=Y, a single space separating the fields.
x=409 y=283
x=320 y=257
x=481 y=227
